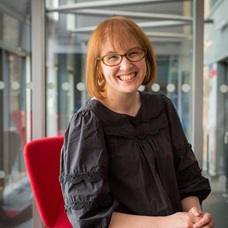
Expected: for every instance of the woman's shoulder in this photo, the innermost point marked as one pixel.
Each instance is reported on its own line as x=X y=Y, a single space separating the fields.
x=92 y=112
x=89 y=108
x=86 y=114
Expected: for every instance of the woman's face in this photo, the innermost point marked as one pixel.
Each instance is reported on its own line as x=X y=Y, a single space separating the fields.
x=127 y=76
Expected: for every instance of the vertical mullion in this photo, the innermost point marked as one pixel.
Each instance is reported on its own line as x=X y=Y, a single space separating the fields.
x=197 y=92
x=38 y=81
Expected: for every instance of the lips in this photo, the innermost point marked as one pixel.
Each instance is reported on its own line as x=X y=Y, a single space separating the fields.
x=127 y=77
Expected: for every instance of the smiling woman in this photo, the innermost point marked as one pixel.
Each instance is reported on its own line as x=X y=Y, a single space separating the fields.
x=124 y=164
x=174 y=28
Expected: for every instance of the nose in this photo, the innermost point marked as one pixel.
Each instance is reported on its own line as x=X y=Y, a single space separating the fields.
x=125 y=64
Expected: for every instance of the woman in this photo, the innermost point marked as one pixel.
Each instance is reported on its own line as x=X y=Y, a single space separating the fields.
x=125 y=160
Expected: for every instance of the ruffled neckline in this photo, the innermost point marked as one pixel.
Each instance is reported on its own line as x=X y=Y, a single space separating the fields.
x=151 y=107
x=101 y=105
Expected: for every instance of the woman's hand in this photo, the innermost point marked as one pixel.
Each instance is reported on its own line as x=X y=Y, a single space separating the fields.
x=180 y=220
x=191 y=219
x=200 y=219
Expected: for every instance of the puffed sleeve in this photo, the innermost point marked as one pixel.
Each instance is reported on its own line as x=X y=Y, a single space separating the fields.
x=83 y=173
x=188 y=173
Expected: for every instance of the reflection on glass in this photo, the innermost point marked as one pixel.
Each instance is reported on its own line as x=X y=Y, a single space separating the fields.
x=29 y=85
x=65 y=86
x=2 y=85
x=223 y=88
x=142 y=88
x=80 y=86
x=155 y=87
x=170 y=88
x=15 y=85
x=186 y=88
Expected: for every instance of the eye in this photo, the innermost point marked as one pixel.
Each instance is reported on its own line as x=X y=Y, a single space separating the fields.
x=134 y=53
x=111 y=58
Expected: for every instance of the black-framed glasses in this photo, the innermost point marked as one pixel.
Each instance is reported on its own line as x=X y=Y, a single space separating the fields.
x=114 y=59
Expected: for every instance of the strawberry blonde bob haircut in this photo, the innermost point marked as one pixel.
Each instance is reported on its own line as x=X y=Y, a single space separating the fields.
x=118 y=30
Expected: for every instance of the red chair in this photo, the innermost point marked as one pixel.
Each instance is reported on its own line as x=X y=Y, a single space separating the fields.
x=42 y=160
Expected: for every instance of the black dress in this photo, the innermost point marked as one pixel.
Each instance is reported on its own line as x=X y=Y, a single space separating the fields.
x=139 y=165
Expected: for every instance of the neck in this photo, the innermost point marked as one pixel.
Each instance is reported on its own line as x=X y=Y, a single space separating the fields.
x=125 y=104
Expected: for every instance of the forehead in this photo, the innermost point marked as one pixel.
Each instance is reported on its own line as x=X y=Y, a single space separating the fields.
x=118 y=44
x=116 y=36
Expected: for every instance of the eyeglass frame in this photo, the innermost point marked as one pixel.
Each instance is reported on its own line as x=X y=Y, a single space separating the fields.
x=142 y=49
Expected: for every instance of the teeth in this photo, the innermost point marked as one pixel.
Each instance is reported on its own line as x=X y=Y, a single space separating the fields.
x=127 y=77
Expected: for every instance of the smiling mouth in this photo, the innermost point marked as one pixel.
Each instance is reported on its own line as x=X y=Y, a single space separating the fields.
x=127 y=77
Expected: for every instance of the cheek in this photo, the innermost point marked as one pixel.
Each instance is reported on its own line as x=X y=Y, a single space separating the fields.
x=103 y=69
x=108 y=71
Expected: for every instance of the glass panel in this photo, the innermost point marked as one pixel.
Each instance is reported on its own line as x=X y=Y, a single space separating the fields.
x=216 y=137
x=212 y=3
x=169 y=27
x=15 y=116
x=215 y=117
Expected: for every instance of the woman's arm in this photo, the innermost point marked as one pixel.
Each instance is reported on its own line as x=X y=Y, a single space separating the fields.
x=191 y=217
x=83 y=173
x=177 y=220
x=120 y=220
x=190 y=202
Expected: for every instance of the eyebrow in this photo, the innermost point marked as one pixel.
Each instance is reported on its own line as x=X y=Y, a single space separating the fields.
x=111 y=52
x=115 y=52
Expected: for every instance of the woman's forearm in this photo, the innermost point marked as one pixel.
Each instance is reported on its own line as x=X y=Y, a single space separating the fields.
x=120 y=220
x=177 y=220
x=190 y=202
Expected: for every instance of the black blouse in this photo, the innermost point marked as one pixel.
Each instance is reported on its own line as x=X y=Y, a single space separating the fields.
x=139 y=165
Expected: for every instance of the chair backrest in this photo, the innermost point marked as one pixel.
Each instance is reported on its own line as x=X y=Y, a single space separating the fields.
x=42 y=160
